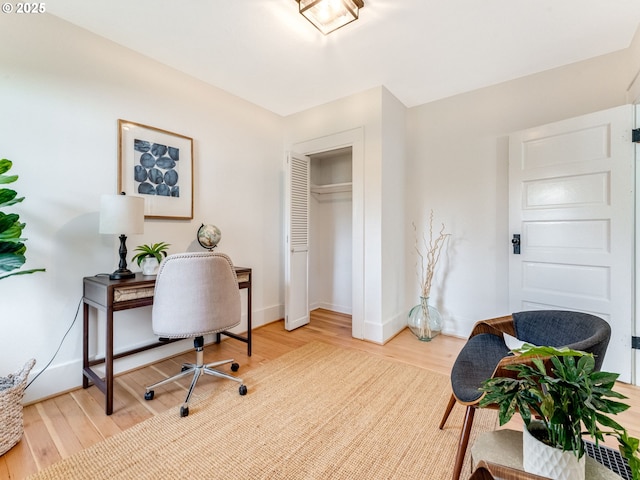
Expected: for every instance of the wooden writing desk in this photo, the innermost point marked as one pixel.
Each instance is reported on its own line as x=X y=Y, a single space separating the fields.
x=115 y=295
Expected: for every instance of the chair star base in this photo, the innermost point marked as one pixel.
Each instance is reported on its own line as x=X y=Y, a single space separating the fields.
x=197 y=369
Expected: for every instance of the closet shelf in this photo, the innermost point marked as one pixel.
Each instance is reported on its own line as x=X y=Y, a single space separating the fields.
x=331 y=188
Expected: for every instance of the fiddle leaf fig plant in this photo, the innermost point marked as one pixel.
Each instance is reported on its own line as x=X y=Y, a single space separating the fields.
x=561 y=387
x=12 y=245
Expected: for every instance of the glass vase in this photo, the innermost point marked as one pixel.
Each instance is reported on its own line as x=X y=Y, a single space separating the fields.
x=424 y=320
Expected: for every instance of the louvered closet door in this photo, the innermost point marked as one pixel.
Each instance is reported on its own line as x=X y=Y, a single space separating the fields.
x=296 y=310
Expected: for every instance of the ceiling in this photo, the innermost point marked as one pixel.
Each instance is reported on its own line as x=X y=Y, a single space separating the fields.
x=421 y=50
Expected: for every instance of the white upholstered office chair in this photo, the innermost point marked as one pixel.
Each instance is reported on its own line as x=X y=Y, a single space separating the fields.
x=196 y=294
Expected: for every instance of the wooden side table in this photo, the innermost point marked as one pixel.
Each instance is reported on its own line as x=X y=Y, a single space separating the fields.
x=491 y=471
x=504 y=447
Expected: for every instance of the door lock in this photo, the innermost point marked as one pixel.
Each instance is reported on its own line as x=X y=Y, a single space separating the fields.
x=516 y=243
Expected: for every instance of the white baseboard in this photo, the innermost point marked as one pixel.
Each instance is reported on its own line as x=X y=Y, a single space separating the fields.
x=346 y=310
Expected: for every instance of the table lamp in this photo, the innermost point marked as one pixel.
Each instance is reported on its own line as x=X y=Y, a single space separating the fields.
x=121 y=214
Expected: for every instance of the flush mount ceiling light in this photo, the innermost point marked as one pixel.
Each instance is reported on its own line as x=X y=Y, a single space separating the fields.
x=329 y=15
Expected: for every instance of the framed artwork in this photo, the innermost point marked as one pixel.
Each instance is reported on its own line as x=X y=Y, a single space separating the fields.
x=157 y=165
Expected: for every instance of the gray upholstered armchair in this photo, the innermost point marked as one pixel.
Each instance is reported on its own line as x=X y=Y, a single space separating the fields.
x=486 y=354
x=196 y=294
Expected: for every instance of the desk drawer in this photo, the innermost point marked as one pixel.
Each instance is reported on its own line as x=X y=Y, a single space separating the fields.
x=124 y=294
x=243 y=277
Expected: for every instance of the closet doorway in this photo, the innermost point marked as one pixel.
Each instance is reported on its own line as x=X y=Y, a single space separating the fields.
x=330 y=231
x=335 y=272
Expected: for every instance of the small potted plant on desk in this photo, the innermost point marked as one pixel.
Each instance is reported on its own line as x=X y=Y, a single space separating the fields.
x=150 y=256
x=560 y=387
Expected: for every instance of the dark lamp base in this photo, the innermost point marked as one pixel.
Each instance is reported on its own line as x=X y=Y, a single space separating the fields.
x=122 y=274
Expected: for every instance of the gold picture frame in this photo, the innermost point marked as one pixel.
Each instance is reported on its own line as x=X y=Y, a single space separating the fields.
x=157 y=165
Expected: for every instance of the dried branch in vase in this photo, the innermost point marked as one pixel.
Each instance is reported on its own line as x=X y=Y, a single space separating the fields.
x=429 y=259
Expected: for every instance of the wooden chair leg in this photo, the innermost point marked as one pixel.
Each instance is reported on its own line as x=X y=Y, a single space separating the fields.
x=452 y=402
x=464 y=441
x=482 y=473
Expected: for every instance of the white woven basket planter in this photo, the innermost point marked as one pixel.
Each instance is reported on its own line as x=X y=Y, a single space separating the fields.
x=11 y=394
x=549 y=462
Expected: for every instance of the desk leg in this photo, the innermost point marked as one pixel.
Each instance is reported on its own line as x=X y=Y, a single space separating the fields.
x=85 y=344
x=109 y=364
x=246 y=339
x=249 y=333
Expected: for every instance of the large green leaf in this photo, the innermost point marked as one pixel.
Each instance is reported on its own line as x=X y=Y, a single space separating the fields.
x=23 y=272
x=11 y=261
x=12 y=233
x=7 y=220
x=13 y=247
x=608 y=378
x=544 y=351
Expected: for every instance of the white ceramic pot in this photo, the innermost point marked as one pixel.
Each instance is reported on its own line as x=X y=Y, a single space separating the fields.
x=546 y=461
x=149 y=265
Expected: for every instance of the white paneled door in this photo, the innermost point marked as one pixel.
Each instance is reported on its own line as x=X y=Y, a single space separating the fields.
x=571 y=201
x=296 y=304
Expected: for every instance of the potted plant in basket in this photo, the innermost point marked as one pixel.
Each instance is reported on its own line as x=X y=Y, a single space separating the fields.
x=150 y=256
x=560 y=387
x=12 y=257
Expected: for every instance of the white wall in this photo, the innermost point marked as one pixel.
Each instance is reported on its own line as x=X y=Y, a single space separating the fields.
x=457 y=166
x=633 y=94
x=62 y=91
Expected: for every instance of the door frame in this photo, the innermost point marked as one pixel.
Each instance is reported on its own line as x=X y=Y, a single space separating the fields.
x=353 y=138
x=635 y=331
x=633 y=97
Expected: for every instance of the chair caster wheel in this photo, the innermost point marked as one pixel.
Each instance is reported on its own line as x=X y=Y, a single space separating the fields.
x=149 y=395
x=184 y=411
x=242 y=390
x=235 y=367
x=184 y=368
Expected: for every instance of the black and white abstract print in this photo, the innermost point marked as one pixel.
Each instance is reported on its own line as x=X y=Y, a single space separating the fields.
x=156 y=169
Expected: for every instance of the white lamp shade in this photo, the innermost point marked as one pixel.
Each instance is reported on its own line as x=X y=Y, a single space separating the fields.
x=121 y=214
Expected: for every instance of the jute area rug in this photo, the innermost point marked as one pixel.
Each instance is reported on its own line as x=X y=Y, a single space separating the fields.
x=319 y=412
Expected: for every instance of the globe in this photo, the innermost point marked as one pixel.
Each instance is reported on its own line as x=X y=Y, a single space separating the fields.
x=209 y=236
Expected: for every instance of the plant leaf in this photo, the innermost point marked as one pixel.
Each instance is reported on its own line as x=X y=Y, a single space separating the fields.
x=5 y=165
x=8 y=197
x=13 y=247
x=11 y=261
x=23 y=272
x=8 y=178
x=529 y=350
x=12 y=233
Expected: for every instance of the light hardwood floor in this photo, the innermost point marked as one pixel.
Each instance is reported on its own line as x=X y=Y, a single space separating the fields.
x=60 y=426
